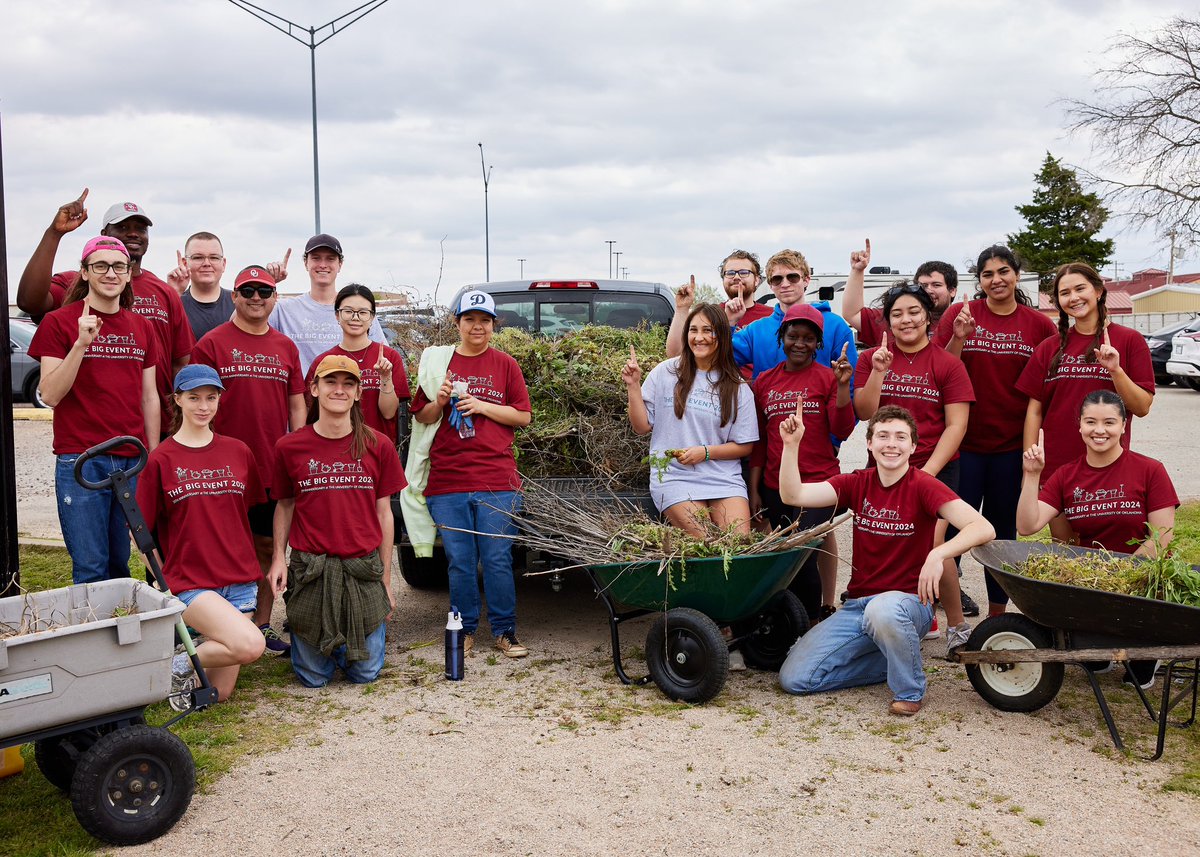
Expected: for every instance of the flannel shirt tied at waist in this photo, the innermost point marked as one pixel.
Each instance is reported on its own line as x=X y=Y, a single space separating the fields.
x=333 y=601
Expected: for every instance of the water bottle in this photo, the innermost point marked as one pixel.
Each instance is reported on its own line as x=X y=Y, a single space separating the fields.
x=454 y=645
x=464 y=424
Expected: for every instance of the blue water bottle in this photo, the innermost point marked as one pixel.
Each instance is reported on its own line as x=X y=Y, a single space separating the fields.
x=454 y=645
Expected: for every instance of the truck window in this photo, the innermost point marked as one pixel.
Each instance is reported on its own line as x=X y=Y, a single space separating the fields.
x=561 y=316
x=630 y=310
x=515 y=311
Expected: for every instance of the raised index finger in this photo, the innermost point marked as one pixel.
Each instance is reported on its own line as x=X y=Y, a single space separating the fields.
x=87 y=304
x=1041 y=438
x=82 y=196
x=867 y=242
x=632 y=353
x=287 y=256
x=883 y=342
x=845 y=349
x=1106 y=339
x=179 y=258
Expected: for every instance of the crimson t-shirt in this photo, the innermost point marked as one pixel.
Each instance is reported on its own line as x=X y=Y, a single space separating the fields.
x=893 y=527
x=196 y=498
x=106 y=399
x=335 y=493
x=370 y=383
x=1062 y=391
x=775 y=394
x=754 y=312
x=484 y=462
x=995 y=354
x=260 y=372
x=161 y=305
x=922 y=383
x=1109 y=506
x=871 y=327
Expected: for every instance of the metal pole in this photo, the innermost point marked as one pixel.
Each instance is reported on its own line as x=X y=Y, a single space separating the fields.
x=610 y=243
x=1171 y=262
x=487 y=248
x=618 y=255
x=312 y=35
x=10 y=573
x=522 y=274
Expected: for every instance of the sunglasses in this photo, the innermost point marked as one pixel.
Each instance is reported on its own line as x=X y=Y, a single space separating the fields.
x=248 y=292
x=794 y=279
x=904 y=289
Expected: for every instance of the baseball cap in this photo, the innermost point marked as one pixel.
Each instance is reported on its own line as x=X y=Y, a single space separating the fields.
x=102 y=242
x=476 y=300
x=124 y=211
x=804 y=312
x=255 y=275
x=196 y=375
x=337 y=363
x=323 y=240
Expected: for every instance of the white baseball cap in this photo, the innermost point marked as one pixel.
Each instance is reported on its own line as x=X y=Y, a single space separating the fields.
x=476 y=300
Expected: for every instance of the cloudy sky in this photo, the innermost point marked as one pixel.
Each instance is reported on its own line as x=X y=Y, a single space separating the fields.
x=678 y=129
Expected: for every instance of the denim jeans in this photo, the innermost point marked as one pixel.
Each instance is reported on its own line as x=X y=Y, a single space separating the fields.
x=992 y=483
x=315 y=670
x=869 y=641
x=93 y=525
x=482 y=512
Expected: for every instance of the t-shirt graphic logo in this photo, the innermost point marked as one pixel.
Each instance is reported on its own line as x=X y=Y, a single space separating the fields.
x=869 y=511
x=239 y=356
x=315 y=467
x=225 y=472
x=115 y=339
x=1101 y=494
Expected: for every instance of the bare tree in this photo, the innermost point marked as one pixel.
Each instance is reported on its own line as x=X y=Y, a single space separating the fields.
x=1145 y=122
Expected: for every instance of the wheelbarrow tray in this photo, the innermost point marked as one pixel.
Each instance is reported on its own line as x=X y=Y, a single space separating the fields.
x=702 y=584
x=90 y=663
x=1088 y=611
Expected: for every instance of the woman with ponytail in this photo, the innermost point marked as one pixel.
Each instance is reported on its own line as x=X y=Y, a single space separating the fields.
x=334 y=480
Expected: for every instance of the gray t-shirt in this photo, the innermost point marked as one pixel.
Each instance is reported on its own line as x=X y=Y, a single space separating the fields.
x=701 y=425
x=203 y=317
x=312 y=326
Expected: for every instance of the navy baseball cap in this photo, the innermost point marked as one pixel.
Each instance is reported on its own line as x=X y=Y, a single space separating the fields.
x=197 y=375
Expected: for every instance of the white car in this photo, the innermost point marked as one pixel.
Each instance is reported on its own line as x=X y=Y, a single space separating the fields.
x=1184 y=363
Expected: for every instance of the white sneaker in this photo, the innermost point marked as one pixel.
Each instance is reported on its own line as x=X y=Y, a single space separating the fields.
x=737 y=663
x=183 y=682
x=934 y=633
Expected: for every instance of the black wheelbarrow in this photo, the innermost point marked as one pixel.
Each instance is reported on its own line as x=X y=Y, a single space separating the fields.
x=1016 y=662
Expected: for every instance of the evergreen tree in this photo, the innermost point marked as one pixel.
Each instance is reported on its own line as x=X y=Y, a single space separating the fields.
x=1061 y=224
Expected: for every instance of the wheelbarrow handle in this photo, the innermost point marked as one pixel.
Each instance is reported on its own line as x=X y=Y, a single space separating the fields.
x=101 y=449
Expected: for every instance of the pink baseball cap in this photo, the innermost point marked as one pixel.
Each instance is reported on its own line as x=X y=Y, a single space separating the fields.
x=102 y=242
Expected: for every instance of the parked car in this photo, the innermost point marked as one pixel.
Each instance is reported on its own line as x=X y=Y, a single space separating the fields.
x=1160 y=346
x=26 y=371
x=556 y=306
x=1184 y=363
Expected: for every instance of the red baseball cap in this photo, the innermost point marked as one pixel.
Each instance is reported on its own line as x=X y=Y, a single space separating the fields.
x=804 y=312
x=255 y=275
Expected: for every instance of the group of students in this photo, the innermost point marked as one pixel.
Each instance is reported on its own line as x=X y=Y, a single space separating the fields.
x=983 y=418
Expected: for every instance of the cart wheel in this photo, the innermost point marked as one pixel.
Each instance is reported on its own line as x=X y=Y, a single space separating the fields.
x=774 y=630
x=55 y=762
x=133 y=784
x=1013 y=687
x=687 y=656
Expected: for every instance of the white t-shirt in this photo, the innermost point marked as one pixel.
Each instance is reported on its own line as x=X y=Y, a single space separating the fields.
x=312 y=326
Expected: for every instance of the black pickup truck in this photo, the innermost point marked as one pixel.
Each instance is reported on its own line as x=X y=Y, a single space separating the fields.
x=551 y=307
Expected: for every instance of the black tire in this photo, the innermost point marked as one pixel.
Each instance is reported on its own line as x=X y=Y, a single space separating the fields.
x=32 y=395
x=424 y=572
x=773 y=632
x=1194 y=383
x=1013 y=687
x=1164 y=380
x=133 y=784
x=55 y=762
x=687 y=656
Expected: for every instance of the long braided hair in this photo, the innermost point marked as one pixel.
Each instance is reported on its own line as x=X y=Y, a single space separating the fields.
x=1064 y=321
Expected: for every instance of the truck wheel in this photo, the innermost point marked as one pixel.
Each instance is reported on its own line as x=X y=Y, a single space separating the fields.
x=424 y=572
x=1020 y=687
x=687 y=656
x=773 y=632
x=133 y=784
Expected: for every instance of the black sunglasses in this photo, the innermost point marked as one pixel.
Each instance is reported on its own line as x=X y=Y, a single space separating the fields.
x=905 y=289
x=247 y=292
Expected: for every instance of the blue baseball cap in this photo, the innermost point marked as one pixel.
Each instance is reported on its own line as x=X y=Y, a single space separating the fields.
x=197 y=375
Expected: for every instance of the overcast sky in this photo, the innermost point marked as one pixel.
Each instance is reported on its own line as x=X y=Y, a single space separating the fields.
x=678 y=129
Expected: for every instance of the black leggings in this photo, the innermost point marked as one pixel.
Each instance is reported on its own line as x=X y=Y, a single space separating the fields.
x=991 y=482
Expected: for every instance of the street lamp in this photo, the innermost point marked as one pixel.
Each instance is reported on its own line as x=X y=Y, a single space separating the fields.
x=625 y=273
x=487 y=250
x=618 y=255
x=522 y=261
x=610 y=243
x=312 y=42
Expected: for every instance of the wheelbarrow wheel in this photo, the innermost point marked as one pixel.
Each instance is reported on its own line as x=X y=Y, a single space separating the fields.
x=55 y=762
x=133 y=784
x=774 y=630
x=687 y=656
x=1020 y=687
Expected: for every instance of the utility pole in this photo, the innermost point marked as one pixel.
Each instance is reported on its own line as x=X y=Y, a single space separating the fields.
x=522 y=274
x=487 y=248
x=624 y=273
x=618 y=255
x=312 y=42
x=610 y=243
x=1171 y=262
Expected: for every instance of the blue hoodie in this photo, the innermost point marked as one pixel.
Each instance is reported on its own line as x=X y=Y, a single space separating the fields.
x=757 y=344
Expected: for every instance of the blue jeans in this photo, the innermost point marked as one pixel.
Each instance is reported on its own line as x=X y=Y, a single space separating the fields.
x=93 y=525
x=869 y=641
x=315 y=670
x=243 y=596
x=991 y=482
x=482 y=512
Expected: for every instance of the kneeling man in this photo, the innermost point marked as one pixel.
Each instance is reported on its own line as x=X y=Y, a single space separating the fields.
x=896 y=569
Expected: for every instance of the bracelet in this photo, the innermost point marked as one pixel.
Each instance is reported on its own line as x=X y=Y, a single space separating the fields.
x=706 y=453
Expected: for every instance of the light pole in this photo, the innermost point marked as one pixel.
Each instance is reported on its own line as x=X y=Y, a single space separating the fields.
x=312 y=42
x=618 y=255
x=487 y=250
x=610 y=243
x=522 y=261
x=624 y=273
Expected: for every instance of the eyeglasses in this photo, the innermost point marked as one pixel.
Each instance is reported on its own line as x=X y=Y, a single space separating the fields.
x=102 y=268
x=248 y=292
x=348 y=313
x=729 y=275
x=200 y=260
x=793 y=278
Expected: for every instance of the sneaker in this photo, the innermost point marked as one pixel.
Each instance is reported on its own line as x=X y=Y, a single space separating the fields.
x=737 y=663
x=468 y=643
x=957 y=637
x=844 y=596
x=275 y=643
x=934 y=633
x=510 y=645
x=1141 y=673
x=183 y=682
x=970 y=608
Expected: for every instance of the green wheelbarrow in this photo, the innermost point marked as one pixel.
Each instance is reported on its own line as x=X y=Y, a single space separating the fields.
x=687 y=653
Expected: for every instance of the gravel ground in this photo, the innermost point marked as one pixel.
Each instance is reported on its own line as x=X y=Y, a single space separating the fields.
x=552 y=755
